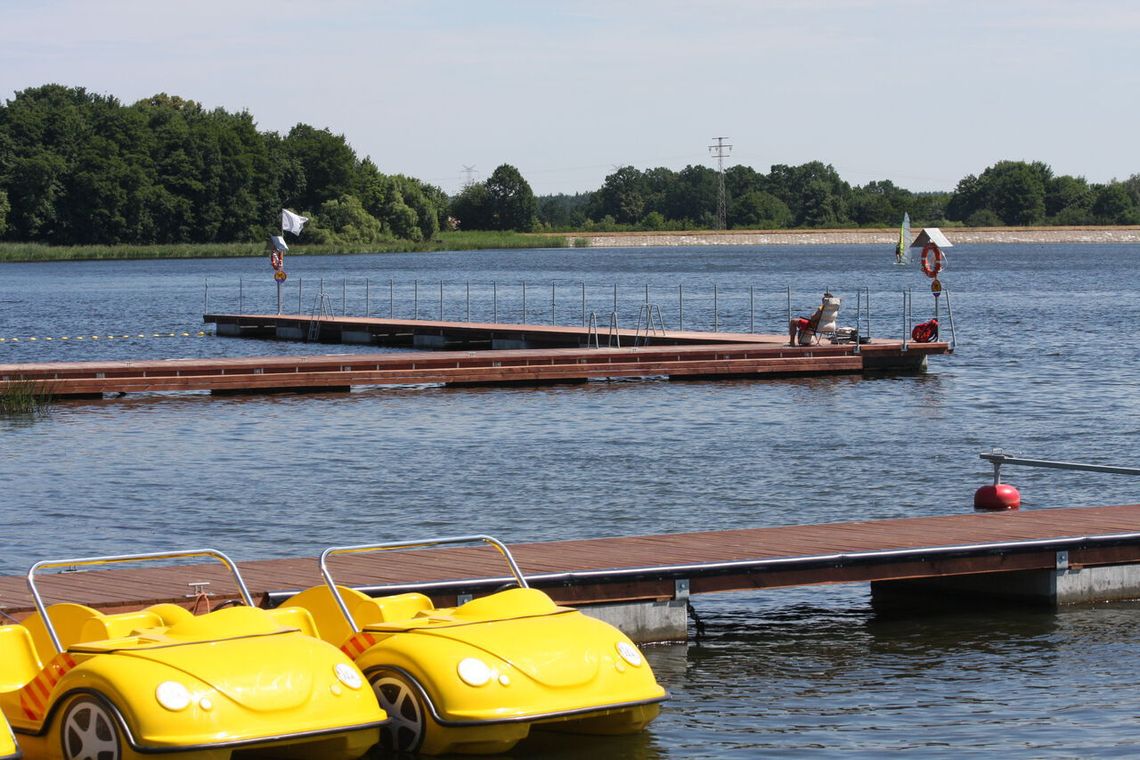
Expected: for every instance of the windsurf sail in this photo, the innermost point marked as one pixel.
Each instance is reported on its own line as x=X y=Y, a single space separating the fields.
x=904 y=240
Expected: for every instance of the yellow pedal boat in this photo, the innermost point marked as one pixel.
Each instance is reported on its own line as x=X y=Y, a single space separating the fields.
x=76 y=683
x=8 y=748
x=478 y=677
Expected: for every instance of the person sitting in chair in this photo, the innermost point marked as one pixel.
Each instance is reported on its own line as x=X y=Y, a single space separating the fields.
x=801 y=330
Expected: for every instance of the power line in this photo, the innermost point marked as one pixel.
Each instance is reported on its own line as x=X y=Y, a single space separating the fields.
x=720 y=151
x=469 y=173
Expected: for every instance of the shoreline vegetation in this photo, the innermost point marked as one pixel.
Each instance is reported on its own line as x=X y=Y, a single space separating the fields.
x=470 y=241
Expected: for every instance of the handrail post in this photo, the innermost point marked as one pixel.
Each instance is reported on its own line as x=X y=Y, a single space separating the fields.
x=751 y=309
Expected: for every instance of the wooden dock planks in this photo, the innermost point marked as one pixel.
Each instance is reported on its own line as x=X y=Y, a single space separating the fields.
x=462 y=367
x=646 y=567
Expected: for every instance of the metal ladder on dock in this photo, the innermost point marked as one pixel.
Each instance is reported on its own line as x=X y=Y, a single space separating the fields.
x=614 y=340
x=650 y=315
x=322 y=309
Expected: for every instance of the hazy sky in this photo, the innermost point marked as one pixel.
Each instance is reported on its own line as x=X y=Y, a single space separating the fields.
x=921 y=92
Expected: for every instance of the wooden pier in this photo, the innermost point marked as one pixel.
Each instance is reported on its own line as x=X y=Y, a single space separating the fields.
x=967 y=553
x=538 y=355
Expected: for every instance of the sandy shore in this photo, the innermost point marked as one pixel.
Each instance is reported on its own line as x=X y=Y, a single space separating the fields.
x=857 y=237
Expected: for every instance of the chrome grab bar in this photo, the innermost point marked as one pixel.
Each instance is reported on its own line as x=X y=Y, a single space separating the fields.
x=119 y=559
x=402 y=546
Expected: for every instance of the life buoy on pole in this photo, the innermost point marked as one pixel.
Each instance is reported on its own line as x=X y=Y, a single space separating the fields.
x=275 y=260
x=932 y=268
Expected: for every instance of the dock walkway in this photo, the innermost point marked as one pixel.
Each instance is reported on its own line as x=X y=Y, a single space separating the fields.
x=476 y=354
x=662 y=567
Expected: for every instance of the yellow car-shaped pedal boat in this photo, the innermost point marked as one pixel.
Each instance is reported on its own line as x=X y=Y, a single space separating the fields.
x=477 y=677
x=78 y=684
x=8 y=748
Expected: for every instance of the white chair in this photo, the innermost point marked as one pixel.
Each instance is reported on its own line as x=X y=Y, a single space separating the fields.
x=822 y=323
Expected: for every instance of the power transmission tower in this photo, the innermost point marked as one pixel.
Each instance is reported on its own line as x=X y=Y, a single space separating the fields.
x=469 y=172
x=720 y=151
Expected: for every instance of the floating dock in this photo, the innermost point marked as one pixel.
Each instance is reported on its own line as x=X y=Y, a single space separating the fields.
x=644 y=583
x=466 y=354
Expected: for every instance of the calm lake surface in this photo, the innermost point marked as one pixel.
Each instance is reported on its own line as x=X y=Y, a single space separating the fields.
x=1044 y=367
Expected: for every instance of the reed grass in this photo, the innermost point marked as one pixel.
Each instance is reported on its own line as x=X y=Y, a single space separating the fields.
x=446 y=241
x=23 y=398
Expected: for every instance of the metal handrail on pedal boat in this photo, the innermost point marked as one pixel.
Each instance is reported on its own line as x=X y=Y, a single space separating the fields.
x=402 y=546
x=71 y=564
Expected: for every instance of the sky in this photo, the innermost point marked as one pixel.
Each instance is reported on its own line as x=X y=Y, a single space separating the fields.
x=919 y=92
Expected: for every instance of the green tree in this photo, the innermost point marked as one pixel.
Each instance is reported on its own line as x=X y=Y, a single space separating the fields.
x=472 y=207
x=654 y=220
x=563 y=211
x=692 y=197
x=760 y=210
x=1013 y=190
x=814 y=193
x=1113 y=204
x=346 y=221
x=327 y=163
x=1016 y=191
x=622 y=196
x=4 y=207
x=1067 y=196
x=510 y=199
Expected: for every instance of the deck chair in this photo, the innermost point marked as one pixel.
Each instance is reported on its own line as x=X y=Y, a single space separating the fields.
x=822 y=323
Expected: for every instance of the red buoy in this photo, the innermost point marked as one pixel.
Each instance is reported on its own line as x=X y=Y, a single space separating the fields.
x=997 y=498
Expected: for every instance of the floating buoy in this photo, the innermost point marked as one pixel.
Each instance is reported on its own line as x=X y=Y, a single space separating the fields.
x=997 y=498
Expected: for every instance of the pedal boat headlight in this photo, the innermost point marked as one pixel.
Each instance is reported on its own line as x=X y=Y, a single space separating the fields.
x=348 y=676
x=630 y=654
x=172 y=695
x=474 y=672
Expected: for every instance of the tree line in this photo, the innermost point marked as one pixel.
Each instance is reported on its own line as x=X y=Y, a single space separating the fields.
x=82 y=168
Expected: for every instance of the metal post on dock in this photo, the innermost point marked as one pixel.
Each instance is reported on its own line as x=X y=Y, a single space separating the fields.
x=868 y=313
x=241 y=294
x=367 y=298
x=468 y=319
x=495 y=301
x=206 y=295
x=751 y=309
x=441 y=300
x=416 y=299
x=391 y=299
x=552 y=322
x=789 y=306
x=278 y=295
x=906 y=318
x=647 y=292
x=950 y=314
x=344 y=296
x=680 y=307
x=615 y=302
x=524 y=303
x=584 y=305
x=300 y=306
x=716 y=316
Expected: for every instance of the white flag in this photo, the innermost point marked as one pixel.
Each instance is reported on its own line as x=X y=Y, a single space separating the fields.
x=291 y=222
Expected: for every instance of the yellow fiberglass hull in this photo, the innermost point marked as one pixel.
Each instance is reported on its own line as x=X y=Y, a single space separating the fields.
x=8 y=748
x=476 y=678
x=202 y=688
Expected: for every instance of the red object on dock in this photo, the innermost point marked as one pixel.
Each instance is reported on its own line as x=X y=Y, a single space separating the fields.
x=997 y=498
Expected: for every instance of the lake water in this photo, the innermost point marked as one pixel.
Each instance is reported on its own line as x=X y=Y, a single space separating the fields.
x=1044 y=367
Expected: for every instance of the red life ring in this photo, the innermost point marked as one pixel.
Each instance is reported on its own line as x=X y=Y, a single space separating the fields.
x=928 y=269
x=275 y=259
